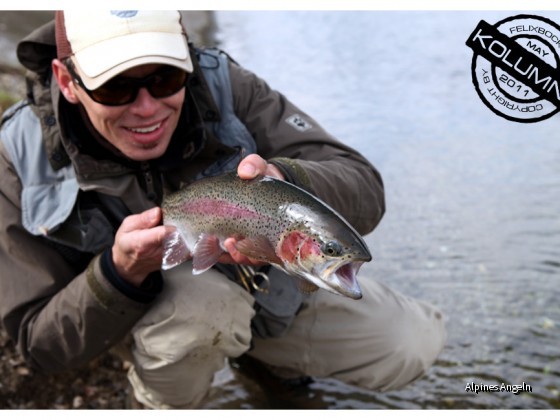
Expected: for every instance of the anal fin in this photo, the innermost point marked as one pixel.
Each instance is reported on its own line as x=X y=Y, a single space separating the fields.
x=207 y=252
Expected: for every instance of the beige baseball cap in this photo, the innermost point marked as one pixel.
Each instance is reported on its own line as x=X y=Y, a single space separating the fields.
x=103 y=44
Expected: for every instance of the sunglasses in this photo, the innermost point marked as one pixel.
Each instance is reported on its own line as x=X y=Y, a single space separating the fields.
x=122 y=90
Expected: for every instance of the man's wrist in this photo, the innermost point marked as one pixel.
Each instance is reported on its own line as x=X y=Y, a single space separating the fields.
x=145 y=293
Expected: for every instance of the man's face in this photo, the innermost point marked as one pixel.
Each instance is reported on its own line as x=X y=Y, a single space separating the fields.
x=142 y=129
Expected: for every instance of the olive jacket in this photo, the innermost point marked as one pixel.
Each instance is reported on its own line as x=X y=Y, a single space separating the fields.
x=57 y=301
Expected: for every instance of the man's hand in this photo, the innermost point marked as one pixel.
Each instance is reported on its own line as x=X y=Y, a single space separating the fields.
x=249 y=168
x=138 y=247
x=254 y=165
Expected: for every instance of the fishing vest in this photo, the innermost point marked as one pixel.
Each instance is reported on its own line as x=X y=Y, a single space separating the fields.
x=229 y=130
x=49 y=196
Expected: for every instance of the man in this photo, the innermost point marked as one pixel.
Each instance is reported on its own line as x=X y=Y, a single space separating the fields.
x=120 y=111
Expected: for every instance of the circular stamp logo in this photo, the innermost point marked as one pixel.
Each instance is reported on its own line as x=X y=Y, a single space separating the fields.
x=515 y=67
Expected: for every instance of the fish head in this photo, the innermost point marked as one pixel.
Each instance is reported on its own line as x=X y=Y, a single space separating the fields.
x=329 y=260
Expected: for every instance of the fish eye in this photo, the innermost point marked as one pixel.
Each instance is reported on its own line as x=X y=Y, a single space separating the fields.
x=332 y=249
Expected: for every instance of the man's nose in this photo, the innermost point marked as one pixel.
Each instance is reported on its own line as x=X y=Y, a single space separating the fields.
x=144 y=104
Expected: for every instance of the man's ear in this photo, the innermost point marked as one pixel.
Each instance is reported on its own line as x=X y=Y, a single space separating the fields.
x=65 y=81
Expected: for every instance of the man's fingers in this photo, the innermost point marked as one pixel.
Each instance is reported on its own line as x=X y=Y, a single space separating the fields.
x=254 y=165
x=251 y=167
x=138 y=247
x=148 y=239
x=138 y=253
x=229 y=245
x=233 y=256
x=144 y=220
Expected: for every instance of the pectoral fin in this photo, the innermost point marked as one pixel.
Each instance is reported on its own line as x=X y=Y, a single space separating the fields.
x=259 y=248
x=175 y=250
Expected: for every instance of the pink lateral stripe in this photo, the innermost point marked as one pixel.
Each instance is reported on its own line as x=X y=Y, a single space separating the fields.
x=220 y=208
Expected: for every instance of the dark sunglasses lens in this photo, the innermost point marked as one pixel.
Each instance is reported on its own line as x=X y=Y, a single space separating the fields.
x=167 y=82
x=114 y=92
x=121 y=91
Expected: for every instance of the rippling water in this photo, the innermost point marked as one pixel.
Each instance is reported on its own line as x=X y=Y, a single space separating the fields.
x=473 y=219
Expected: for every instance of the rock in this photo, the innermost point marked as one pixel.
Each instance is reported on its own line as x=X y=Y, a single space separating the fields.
x=77 y=402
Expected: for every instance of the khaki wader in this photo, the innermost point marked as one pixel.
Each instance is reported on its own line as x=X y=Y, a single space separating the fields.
x=382 y=342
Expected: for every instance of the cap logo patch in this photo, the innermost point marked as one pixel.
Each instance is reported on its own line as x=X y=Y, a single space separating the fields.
x=124 y=13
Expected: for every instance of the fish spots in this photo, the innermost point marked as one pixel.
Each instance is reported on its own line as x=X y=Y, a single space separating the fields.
x=273 y=221
x=309 y=248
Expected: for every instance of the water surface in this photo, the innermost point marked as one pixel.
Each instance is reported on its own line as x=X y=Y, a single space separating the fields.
x=473 y=200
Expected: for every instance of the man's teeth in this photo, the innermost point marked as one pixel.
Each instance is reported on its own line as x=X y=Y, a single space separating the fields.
x=145 y=130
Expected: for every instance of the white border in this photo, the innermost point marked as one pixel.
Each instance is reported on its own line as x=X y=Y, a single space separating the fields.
x=518 y=5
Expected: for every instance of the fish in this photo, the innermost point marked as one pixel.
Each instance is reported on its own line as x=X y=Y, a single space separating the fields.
x=273 y=221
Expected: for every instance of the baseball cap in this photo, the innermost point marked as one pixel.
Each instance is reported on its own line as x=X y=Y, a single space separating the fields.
x=103 y=44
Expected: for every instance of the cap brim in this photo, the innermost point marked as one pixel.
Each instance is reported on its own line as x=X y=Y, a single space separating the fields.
x=103 y=61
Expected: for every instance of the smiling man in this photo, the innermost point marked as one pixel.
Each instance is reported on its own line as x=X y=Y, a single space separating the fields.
x=122 y=110
x=143 y=129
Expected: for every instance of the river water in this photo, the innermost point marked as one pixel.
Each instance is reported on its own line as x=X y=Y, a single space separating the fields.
x=473 y=200
x=473 y=208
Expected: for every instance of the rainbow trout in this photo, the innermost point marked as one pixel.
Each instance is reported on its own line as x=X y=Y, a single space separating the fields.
x=273 y=221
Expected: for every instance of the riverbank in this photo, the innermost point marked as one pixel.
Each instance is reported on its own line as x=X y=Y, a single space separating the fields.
x=12 y=86
x=100 y=384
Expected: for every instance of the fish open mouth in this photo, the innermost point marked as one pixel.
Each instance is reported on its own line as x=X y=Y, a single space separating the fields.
x=346 y=279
